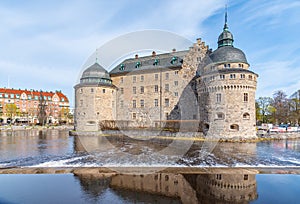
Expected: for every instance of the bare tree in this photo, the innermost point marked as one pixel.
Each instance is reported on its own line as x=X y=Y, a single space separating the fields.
x=280 y=103
x=42 y=116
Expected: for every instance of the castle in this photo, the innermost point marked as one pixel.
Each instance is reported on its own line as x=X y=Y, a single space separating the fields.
x=196 y=90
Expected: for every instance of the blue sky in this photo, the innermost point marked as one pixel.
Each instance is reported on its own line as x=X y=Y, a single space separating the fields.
x=44 y=44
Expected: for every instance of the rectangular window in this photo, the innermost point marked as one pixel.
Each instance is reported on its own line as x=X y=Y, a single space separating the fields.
x=222 y=76
x=156 y=77
x=133 y=79
x=142 y=103
x=232 y=76
x=134 y=90
x=166 y=87
x=122 y=90
x=103 y=90
x=121 y=104
x=219 y=97
x=92 y=90
x=176 y=93
x=245 y=97
x=242 y=76
x=176 y=83
x=133 y=116
x=167 y=76
x=142 y=89
x=134 y=104
x=142 y=78
x=176 y=72
x=156 y=88
x=156 y=102
x=167 y=102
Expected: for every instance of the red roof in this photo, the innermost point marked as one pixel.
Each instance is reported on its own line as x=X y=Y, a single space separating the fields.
x=34 y=93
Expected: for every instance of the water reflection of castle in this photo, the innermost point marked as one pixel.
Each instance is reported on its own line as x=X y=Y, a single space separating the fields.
x=189 y=188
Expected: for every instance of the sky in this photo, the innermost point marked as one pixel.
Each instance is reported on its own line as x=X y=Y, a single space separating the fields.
x=44 y=45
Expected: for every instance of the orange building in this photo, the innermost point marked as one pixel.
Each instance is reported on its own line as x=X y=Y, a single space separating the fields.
x=18 y=105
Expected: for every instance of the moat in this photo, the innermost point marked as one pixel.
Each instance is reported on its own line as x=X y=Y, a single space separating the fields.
x=55 y=148
x=206 y=173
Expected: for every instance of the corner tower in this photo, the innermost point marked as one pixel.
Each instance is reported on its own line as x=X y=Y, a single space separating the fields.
x=226 y=89
x=93 y=98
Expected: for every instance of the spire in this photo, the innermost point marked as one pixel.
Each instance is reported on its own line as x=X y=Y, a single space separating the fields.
x=225 y=38
x=225 y=24
x=96 y=56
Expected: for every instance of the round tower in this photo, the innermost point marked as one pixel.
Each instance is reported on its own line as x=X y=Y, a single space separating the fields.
x=94 y=97
x=226 y=89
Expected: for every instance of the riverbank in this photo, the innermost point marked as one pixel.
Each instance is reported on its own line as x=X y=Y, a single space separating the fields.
x=34 y=127
x=196 y=136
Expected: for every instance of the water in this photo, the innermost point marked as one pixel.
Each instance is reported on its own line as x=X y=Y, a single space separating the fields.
x=55 y=148
x=155 y=188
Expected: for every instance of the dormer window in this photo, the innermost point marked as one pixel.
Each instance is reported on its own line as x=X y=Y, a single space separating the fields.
x=156 y=62
x=138 y=64
x=122 y=67
x=174 y=60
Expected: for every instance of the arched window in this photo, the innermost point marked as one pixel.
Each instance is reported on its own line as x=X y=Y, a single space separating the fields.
x=234 y=127
x=246 y=116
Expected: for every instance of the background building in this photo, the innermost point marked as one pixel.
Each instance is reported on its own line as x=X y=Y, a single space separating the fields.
x=32 y=106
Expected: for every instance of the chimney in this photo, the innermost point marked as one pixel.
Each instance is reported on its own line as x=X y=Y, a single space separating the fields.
x=136 y=56
x=173 y=50
x=199 y=41
x=153 y=54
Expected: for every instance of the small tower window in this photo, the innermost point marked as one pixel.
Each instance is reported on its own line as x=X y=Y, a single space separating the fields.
x=218 y=97
x=245 y=97
x=134 y=104
x=142 y=103
x=246 y=116
x=133 y=116
x=220 y=116
x=234 y=127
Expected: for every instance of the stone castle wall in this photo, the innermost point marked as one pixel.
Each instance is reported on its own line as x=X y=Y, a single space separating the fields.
x=93 y=104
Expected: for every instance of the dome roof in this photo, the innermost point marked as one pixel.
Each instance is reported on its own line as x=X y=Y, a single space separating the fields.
x=95 y=74
x=225 y=38
x=228 y=54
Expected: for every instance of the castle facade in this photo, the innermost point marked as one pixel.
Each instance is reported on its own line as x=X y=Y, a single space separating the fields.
x=195 y=90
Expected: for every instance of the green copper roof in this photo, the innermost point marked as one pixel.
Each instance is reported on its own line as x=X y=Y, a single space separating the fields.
x=226 y=37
